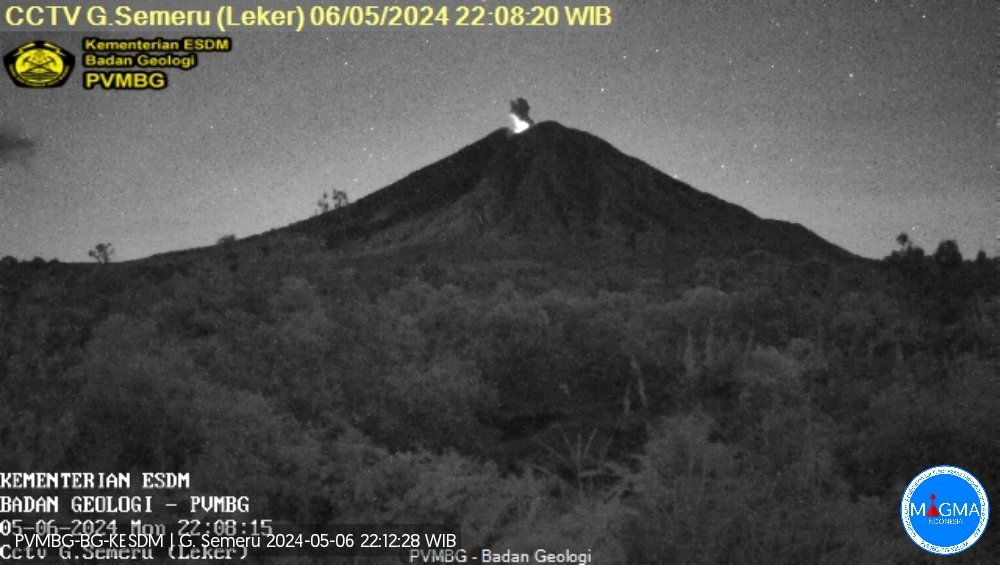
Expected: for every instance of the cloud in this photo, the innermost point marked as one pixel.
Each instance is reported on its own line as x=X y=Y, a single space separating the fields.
x=14 y=148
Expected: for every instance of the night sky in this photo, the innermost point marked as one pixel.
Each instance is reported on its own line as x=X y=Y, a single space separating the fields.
x=859 y=120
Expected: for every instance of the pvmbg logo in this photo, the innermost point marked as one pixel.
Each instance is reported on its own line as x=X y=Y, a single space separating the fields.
x=945 y=510
x=39 y=64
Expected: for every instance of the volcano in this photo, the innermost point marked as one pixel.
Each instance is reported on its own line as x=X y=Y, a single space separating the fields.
x=558 y=192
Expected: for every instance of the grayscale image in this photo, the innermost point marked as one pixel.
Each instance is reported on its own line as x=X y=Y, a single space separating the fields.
x=570 y=282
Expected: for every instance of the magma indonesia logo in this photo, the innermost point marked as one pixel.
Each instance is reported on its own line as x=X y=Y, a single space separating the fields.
x=945 y=510
x=39 y=64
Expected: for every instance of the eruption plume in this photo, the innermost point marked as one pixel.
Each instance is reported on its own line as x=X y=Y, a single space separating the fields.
x=520 y=120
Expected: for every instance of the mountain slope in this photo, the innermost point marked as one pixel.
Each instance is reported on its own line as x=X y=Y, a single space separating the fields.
x=554 y=189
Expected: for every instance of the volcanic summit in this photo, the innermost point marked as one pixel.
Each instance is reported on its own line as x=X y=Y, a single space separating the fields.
x=557 y=191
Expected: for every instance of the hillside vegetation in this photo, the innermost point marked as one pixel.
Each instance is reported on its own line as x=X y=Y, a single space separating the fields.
x=745 y=410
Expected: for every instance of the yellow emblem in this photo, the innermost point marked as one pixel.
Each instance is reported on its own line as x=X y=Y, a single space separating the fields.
x=39 y=64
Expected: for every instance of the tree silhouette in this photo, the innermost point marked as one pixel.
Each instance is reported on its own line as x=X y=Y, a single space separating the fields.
x=948 y=255
x=335 y=199
x=102 y=253
x=909 y=256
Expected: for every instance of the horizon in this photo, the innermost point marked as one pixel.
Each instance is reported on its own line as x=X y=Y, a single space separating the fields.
x=859 y=123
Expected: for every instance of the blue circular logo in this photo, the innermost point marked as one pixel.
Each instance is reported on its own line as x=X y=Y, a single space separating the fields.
x=945 y=510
